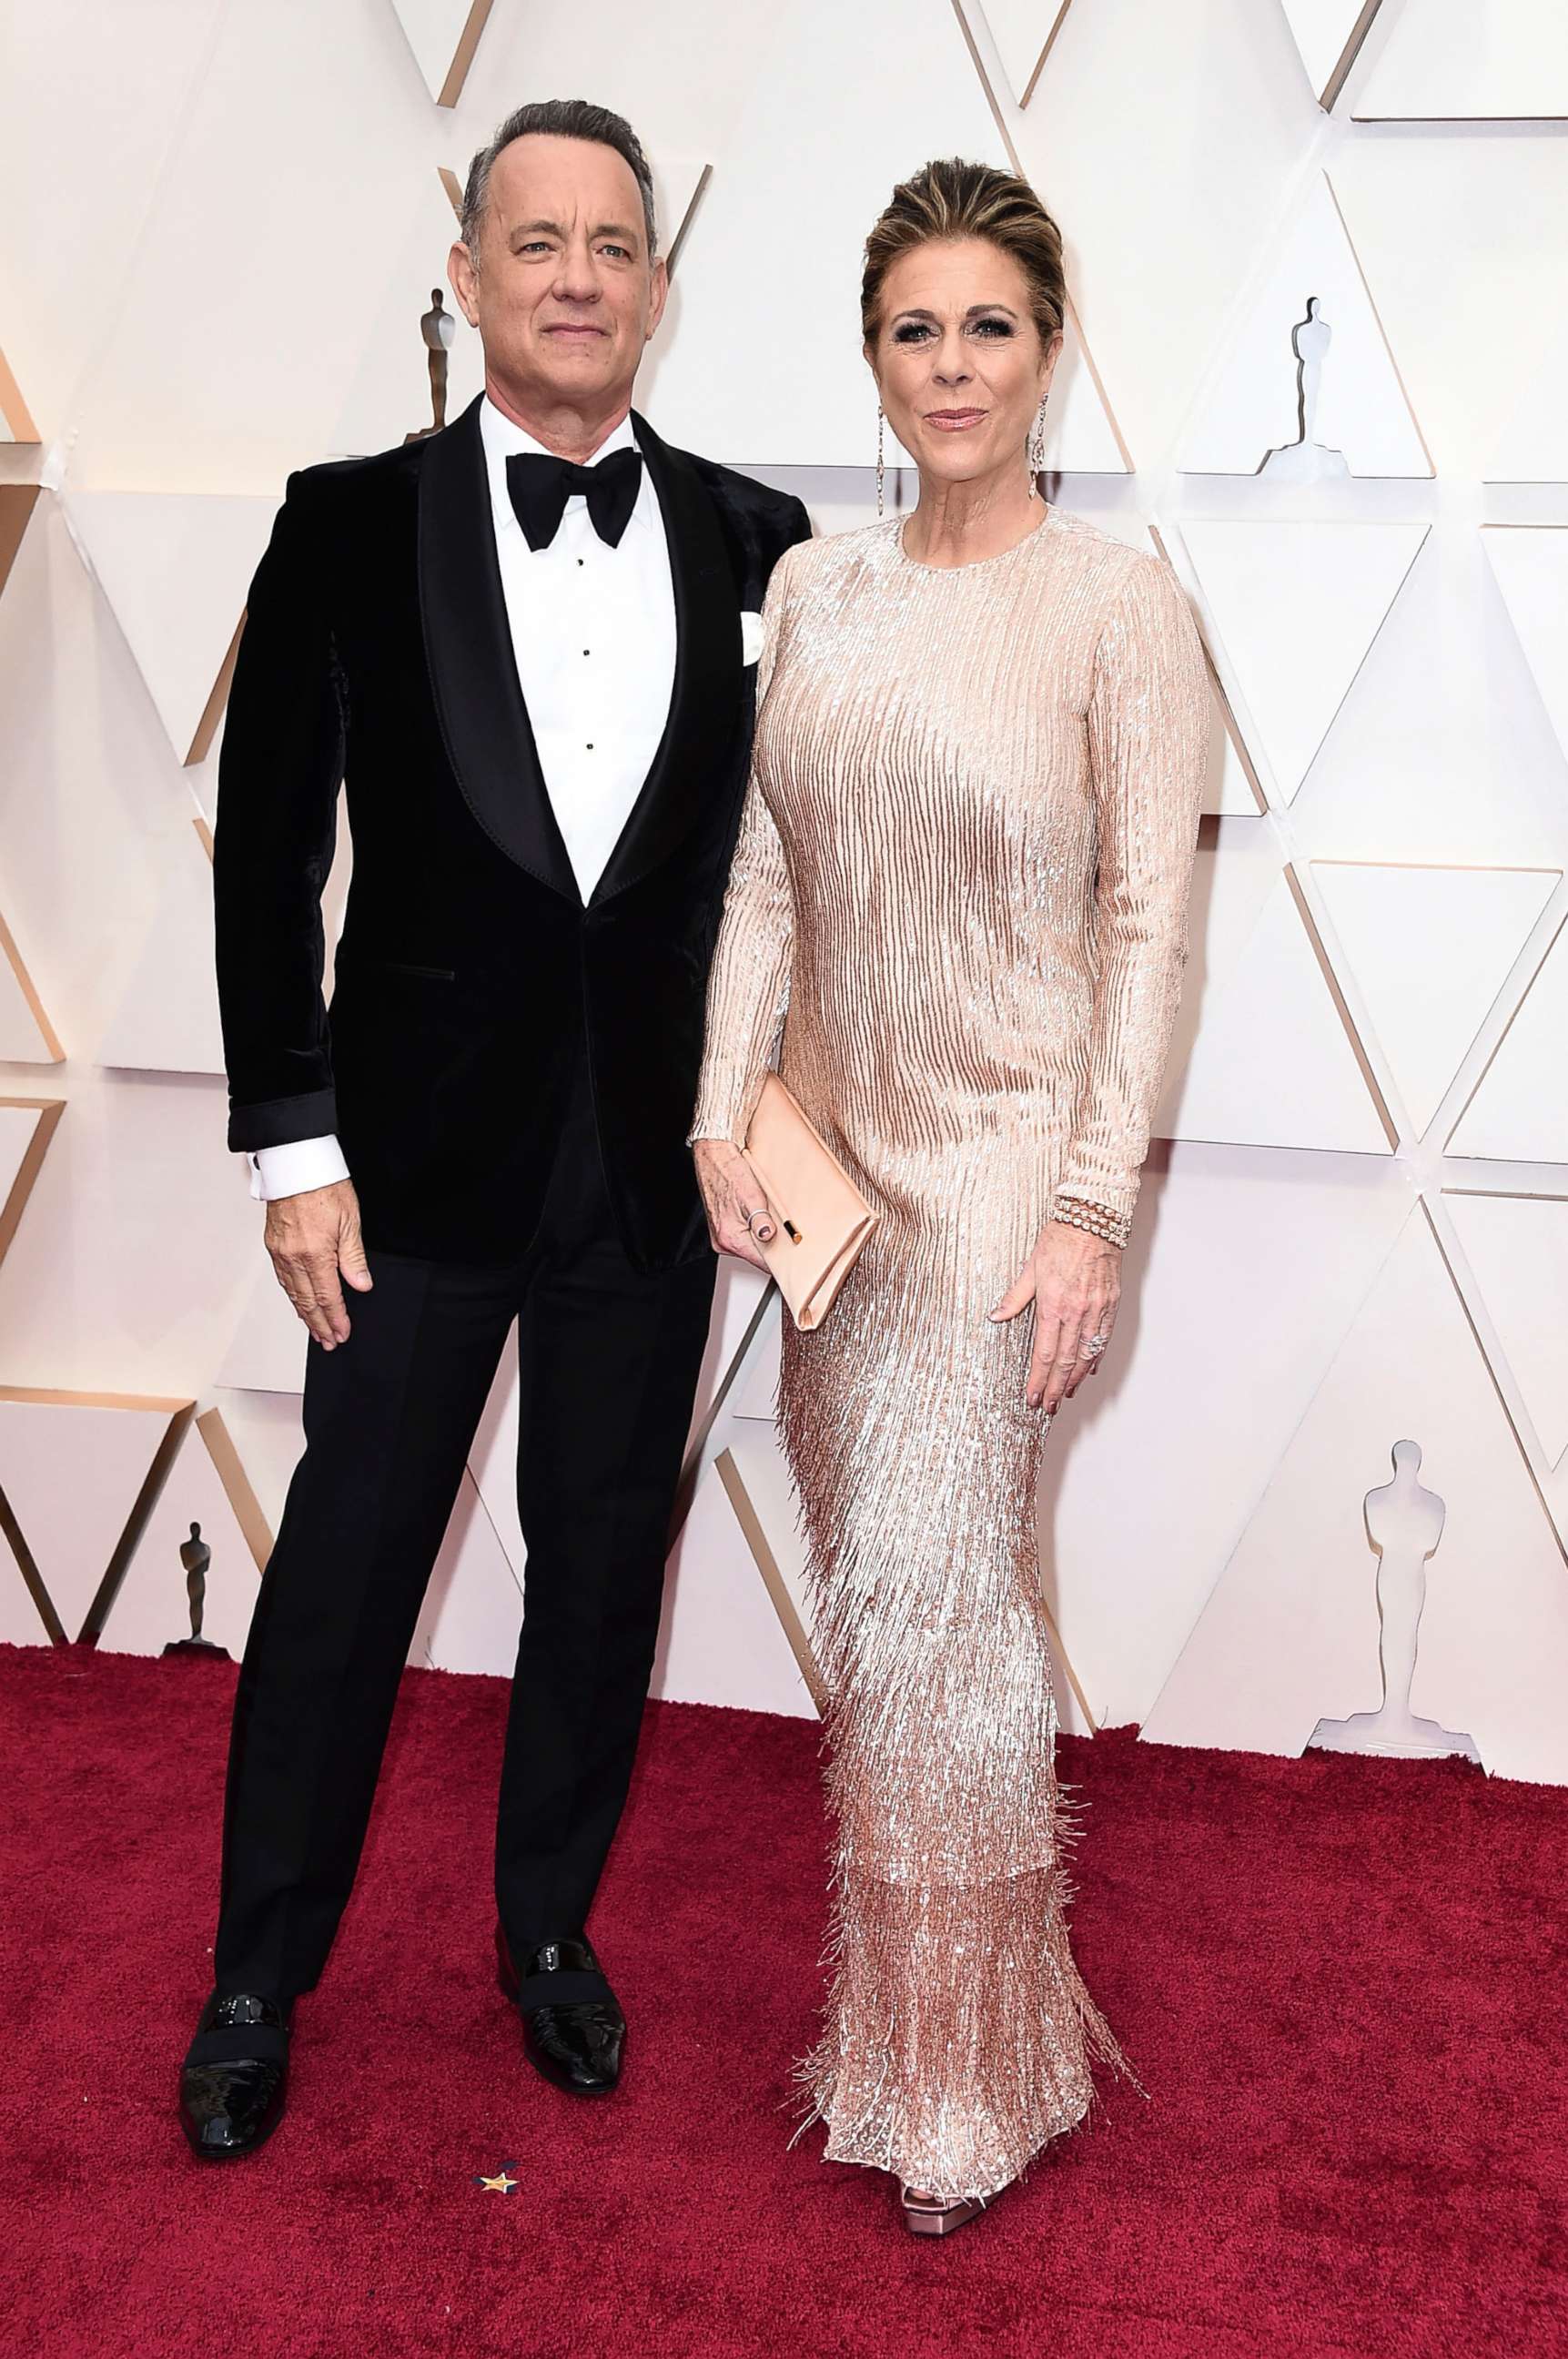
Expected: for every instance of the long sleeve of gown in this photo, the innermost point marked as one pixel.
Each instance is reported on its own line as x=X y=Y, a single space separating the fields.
x=1148 y=724
x=748 y=985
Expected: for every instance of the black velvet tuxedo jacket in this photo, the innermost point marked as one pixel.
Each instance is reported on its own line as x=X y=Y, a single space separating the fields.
x=470 y=977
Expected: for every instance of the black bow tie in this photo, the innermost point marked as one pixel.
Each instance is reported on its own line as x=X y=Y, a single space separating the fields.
x=540 y=484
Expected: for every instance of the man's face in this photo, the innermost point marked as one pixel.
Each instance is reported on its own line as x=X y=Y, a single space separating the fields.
x=565 y=296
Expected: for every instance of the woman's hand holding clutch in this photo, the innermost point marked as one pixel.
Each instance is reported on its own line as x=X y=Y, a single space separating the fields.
x=1074 y=1279
x=740 y=1218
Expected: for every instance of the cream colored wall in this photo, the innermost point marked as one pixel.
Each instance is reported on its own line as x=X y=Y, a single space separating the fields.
x=219 y=222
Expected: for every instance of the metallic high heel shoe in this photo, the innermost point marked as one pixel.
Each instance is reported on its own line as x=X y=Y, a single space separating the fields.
x=929 y=2215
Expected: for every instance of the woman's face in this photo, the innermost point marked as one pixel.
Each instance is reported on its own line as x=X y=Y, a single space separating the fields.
x=958 y=360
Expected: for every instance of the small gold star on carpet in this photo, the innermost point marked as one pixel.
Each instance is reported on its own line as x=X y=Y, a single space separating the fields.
x=501 y=2184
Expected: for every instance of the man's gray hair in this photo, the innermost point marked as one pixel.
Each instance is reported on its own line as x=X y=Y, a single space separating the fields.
x=559 y=119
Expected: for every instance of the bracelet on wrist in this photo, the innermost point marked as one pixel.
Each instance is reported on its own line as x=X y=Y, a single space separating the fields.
x=1096 y=1220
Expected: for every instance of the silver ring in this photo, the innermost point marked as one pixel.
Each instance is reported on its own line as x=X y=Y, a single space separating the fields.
x=1093 y=1347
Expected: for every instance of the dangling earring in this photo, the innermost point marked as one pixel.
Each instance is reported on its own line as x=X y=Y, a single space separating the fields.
x=881 y=462
x=1036 y=450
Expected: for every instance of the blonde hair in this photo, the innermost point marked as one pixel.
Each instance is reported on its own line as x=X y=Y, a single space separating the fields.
x=951 y=200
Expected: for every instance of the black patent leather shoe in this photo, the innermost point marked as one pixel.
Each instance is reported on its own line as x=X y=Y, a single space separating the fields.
x=573 y=2032
x=235 y=2080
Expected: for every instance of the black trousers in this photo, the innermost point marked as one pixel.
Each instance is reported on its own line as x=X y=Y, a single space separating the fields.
x=608 y=1358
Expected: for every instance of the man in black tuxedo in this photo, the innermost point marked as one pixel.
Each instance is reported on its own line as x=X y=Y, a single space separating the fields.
x=527 y=642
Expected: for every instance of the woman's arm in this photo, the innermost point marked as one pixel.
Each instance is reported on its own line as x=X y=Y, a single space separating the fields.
x=1149 y=722
x=748 y=992
x=1148 y=726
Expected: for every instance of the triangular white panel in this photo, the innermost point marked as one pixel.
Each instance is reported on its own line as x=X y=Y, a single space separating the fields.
x=1236 y=867
x=1290 y=1633
x=390 y=396
x=1023 y=31
x=153 y=1605
x=27 y=1036
x=1430 y=949
x=17 y=1126
x=443 y=34
x=1442 y=758
x=1511 y=1115
x=1358 y=407
x=176 y=569
x=757 y=1395
x=167 y=1019
x=21 y=1624
x=1228 y=788
x=268 y=1352
x=1296 y=605
x=1517 y=1248
x=73 y=1524
x=1532 y=441
x=1328 y=33
x=474 y=1606
x=1273 y=1064
x=721 y=1640
x=1451 y=60
x=736 y=1294
x=814 y=403
x=268 y=1440
x=1157 y=1464
x=24 y=1132
x=1530 y=562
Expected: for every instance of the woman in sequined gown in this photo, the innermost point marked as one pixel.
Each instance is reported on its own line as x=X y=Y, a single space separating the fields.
x=957 y=914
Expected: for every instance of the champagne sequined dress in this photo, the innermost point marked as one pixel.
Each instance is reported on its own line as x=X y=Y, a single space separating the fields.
x=960 y=894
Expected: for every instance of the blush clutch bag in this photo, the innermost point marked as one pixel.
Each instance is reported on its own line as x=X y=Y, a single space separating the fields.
x=824 y=1220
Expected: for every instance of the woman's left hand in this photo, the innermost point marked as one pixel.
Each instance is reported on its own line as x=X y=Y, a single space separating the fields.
x=1074 y=1281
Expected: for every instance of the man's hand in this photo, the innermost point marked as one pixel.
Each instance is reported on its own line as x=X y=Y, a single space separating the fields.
x=315 y=1243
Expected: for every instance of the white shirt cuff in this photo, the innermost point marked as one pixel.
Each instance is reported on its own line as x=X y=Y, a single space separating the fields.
x=291 y=1169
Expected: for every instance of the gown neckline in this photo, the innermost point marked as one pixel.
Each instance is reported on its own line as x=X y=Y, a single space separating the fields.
x=975 y=564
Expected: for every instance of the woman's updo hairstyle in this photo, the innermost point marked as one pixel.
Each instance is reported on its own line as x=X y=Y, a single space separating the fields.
x=954 y=200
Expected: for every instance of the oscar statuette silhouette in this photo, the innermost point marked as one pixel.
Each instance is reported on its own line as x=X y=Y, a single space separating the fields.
x=196 y=1557
x=1404 y=1524
x=439 y=331
x=1307 y=460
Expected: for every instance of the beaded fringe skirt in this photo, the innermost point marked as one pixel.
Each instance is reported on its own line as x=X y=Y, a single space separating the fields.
x=958 y=2037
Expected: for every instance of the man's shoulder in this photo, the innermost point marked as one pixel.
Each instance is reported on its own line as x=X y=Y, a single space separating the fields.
x=757 y=503
x=335 y=480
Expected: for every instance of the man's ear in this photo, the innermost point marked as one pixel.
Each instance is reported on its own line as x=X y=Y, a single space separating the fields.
x=460 y=275
x=659 y=296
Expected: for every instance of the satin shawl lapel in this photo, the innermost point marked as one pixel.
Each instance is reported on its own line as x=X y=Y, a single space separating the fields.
x=473 y=672
x=708 y=671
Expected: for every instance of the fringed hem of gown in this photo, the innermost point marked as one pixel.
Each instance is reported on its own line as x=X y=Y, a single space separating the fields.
x=960 y=2034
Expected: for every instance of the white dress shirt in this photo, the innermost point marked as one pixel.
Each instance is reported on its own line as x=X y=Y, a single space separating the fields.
x=593 y=636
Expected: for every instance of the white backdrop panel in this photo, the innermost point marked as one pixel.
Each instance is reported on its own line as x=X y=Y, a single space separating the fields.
x=1297 y=605
x=1290 y=1633
x=767 y=363
x=1517 y=1248
x=1446 y=59
x=1250 y=406
x=1430 y=948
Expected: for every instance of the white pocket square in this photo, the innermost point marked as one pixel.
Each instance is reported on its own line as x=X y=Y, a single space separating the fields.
x=751 y=636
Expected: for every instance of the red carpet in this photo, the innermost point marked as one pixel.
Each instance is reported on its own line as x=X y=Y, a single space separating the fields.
x=1342 y=1981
